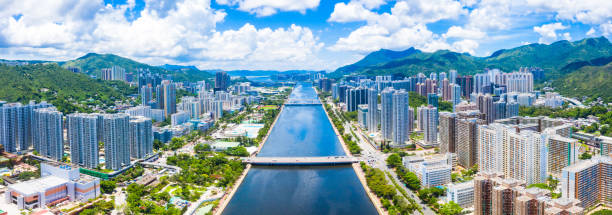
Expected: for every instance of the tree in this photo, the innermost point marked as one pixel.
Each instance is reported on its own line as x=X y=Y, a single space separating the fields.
x=237 y=151
x=585 y=156
x=450 y=208
x=108 y=186
x=157 y=144
x=176 y=143
x=200 y=148
x=394 y=160
x=412 y=181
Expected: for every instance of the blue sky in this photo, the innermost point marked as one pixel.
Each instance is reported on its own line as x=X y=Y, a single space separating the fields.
x=287 y=34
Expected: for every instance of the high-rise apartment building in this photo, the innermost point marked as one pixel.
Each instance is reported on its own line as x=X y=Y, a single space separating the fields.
x=504 y=196
x=83 y=139
x=518 y=82
x=519 y=155
x=589 y=181
x=484 y=183
x=455 y=91
x=113 y=73
x=146 y=95
x=466 y=144
x=115 y=128
x=401 y=115
x=140 y=137
x=429 y=118
x=325 y=84
x=562 y=152
x=222 y=81
x=355 y=97
x=447 y=132
x=432 y=99
x=372 y=115
x=481 y=81
x=386 y=113
x=466 y=84
x=452 y=76
x=16 y=130
x=169 y=97
x=48 y=133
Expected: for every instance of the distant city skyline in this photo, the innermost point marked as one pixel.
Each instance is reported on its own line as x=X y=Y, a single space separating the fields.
x=289 y=34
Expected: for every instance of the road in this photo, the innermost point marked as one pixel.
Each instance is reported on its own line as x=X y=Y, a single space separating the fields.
x=377 y=159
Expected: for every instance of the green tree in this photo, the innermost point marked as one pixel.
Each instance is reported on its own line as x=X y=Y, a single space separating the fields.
x=585 y=156
x=108 y=186
x=394 y=160
x=450 y=208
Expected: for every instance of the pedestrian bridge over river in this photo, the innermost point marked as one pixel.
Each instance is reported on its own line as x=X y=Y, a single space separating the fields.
x=301 y=161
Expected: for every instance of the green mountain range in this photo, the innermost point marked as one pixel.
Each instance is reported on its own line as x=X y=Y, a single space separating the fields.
x=68 y=91
x=580 y=68
x=551 y=58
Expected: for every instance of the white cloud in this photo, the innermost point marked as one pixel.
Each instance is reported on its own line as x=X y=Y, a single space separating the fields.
x=405 y=26
x=468 y=46
x=591 y=32
x=270 y=7
x=460 y=32
x=606 y=28
x=548 y=32
x=350 y=12
x=184 y=32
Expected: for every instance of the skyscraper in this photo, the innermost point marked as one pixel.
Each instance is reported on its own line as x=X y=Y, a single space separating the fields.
x=588 y=181
x=355 y=97
x=452 y=76
x=16 y=125
x=83 y=139
x=116 y=140
x=372 y=115
x=466 y=145
x=141 y=137
x=222 y=81
x=169 y=97
x=446 y=90
x=429 y=117
x=48 y=133
x=466 y=84
x=432 y=99
x=401 y=114
x=455 y=94
x=447 y=132
x=386 y=113
x=146 y=94
x=520 y=155
x=481 y=81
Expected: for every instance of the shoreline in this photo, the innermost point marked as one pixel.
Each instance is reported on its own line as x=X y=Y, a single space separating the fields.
x=358 y=171
x=226 y=198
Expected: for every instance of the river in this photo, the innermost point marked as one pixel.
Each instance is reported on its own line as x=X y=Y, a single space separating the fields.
x=301 y=131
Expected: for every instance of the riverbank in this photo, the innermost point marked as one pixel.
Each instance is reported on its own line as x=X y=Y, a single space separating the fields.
x=228 y=197
x=358 y=171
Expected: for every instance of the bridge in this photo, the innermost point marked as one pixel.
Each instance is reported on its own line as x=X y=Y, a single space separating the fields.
x=301 y=161
x=302 y=102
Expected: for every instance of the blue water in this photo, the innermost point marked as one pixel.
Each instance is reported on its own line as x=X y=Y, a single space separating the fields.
x=301 y=131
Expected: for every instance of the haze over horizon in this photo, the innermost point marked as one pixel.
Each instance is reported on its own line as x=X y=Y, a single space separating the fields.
x=285 y=35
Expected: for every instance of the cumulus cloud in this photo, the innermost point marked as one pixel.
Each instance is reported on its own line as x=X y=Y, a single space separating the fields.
x=163 y=32
x=270 y=7
x=548 y=32
x=405 y=26
x=460 y=32
x=468 y=46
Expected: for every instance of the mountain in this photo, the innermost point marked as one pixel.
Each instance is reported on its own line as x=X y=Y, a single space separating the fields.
x=92 y=63
x=552 y=58
x=177 y=67
x=378 y=57
x=592 y=81
x=58 y=86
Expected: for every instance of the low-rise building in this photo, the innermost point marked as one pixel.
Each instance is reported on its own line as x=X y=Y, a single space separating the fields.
x=462 y=194
x=58 y=183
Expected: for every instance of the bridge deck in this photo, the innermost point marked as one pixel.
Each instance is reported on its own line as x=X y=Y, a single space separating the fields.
x=301 y=161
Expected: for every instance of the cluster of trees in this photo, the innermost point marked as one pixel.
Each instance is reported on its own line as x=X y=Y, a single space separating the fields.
x=130 y=174
x=408 y=178
x=604 y=127
x=390 y=199
x=551 y=185
x=99 y=207
x=69 y=92
x=204 y=169
x=338 y=123
x=108 y=186
x=137 y=203
x=239 y=151
x=268 y=118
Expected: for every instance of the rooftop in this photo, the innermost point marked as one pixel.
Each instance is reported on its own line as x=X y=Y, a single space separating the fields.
x=581 y=165
x=37 y=185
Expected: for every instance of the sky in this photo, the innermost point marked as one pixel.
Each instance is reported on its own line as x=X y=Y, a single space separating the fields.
x=286 y=34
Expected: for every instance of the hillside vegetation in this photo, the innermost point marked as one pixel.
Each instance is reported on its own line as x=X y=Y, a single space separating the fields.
x=64 y=89
x=552 y=58
x=590 y=81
